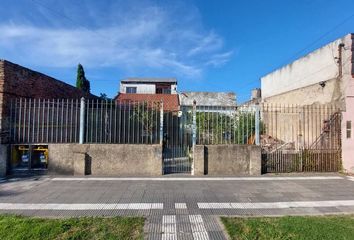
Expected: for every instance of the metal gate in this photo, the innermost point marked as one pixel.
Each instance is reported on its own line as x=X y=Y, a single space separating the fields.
x=301 y=138
x=177 y=141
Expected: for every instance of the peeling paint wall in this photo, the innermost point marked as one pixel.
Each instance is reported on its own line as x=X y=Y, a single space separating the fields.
x=315 y=79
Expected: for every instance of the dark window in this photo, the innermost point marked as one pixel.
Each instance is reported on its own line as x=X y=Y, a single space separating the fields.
x=349 y=129
x=165 y=89
x=131 y=89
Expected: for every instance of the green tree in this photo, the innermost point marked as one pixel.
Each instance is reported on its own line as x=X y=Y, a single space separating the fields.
x=81 y=81
x=103 y=96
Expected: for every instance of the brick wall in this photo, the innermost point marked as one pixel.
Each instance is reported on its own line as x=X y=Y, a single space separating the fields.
x=17 y=81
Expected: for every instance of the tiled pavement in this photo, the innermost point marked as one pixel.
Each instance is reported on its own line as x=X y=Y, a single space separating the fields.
x=178 y=208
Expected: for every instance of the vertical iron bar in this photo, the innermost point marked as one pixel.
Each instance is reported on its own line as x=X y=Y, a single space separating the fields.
x=82 y=120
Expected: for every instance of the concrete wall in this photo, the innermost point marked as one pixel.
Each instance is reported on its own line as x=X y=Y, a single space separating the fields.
x=144 y=88
x=348 y=143
x=311 y=94
x=227 y=160
x=311 y=69
x=299 y=83
x=140 y=88
x=105 y=159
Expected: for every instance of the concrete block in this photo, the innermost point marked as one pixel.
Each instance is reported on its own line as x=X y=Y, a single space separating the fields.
x=227 y=159
x=255 y=160
x=199 y=160
x=79 y=160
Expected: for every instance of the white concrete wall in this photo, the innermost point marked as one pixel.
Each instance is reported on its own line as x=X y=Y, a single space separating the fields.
x=313 y=68
x=140 y=88
x=144 y=88
x=174 y=89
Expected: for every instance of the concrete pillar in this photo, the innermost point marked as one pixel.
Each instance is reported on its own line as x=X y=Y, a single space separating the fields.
x=80 y=162
x=4 y=155
x=199 y=160
x=255 y=154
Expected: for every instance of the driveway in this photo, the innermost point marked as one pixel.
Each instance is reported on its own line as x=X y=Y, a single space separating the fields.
x=178 y=207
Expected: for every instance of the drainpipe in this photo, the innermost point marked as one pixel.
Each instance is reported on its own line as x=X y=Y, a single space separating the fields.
x=340 y=62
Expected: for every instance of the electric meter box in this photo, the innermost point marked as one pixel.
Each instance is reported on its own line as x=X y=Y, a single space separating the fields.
x=27 y=157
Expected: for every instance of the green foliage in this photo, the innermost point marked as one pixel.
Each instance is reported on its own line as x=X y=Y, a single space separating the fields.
x=103 y=96
x=81 y=81
x=219 y=128
x=145 y=114
x=296 y=227
x=15 y=227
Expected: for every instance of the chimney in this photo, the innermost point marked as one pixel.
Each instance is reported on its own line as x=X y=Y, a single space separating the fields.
x=256 y=93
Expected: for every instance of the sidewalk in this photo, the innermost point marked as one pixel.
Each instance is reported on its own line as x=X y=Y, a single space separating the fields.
x=178 y=206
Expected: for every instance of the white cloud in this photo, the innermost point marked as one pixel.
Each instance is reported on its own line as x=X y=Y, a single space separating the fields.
x=148 y=38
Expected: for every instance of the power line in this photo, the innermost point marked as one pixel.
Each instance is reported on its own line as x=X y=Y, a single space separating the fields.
x=319 y=39
x=308 y=46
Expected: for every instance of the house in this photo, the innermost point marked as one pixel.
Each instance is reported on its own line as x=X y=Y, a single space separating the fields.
x=150 y=90
x=148 y=86
x=324 y=76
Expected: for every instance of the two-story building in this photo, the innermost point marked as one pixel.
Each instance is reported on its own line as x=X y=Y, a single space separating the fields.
x=150 y=90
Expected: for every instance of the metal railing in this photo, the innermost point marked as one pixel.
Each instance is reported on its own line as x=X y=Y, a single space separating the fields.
x=300 y=138
x=44 y=120
x=227 y=125
x=91 y=121
x=122 y=122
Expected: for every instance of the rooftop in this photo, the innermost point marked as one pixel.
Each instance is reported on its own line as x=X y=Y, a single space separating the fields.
x=170 y=101
x=149 y=80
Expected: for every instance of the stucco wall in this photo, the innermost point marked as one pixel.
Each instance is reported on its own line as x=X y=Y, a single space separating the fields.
x=140 y=88
x=298 y=83
x=227 y=160
x=144 y=88
x=106 y=159
x=320 y=65
x=348 y=143
x=312 y=94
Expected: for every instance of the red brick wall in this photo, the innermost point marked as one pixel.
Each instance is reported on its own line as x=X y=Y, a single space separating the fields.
x=17 y=81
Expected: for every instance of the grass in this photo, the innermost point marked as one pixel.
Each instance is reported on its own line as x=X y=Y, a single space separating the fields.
x=16 y=227
x=309 y=227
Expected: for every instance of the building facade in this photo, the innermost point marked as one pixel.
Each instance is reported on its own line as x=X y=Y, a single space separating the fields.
x=150 y=90
x=148 y=86
x=325 y=76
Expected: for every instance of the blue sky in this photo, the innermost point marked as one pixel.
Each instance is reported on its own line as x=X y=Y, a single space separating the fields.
x=208 y=45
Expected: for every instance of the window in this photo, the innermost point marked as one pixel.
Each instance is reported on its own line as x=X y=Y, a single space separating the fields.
x=349 y=129
x=131 y=90
x=163 y=89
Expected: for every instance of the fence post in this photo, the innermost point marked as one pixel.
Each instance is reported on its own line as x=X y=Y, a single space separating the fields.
x=257 y=125
x=82 y=120
x=161 y=122
x=194 y=133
